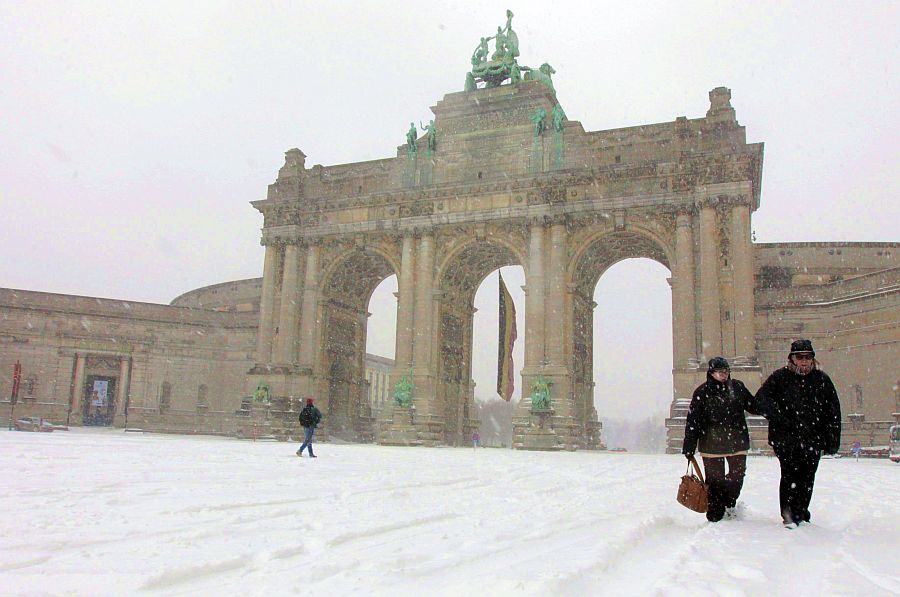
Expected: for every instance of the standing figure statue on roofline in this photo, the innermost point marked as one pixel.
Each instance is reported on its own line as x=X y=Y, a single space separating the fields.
x=411 y=135
x=512 y=40
x=481 y=52
x=430 y=134
x=538 y=119
x=558 y=116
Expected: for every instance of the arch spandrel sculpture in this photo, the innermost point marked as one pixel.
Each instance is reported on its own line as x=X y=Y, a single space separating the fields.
x=565 y=205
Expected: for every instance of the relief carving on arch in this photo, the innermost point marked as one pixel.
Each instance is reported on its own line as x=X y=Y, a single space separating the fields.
x=604 y=251
x=723 y=228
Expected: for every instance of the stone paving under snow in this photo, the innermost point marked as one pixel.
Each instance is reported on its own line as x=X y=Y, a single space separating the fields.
x=103 y=512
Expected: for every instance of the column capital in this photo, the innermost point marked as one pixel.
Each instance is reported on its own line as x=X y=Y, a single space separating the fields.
x=556 y=219
x=739 y=201
x=709 y=202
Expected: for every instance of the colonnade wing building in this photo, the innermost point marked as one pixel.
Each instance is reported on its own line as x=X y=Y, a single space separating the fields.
x=502 y=178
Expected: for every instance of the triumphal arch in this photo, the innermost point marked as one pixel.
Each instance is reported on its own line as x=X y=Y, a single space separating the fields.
x=501 y=176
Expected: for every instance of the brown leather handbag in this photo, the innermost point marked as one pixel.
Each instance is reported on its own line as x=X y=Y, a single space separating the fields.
x=693 y=493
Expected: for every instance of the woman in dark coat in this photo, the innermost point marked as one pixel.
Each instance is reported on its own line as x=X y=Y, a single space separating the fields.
x=716 y=427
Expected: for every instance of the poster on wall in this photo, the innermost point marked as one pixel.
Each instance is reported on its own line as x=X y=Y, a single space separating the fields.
x=98 y=395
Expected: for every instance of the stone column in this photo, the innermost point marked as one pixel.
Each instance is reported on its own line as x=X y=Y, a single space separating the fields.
x=555 y=309
x=534 y=300
x=405 y=306
x=423 y=307
x=266 y=307
x=287 y=320
x=77 y=385
x=123 y=388
x=709 y=283
x=683 y=325
x=309 y=307
x=742 y=266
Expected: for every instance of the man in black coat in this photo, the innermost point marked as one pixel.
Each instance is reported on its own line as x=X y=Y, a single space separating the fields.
x=804 y=414
x=717 y=427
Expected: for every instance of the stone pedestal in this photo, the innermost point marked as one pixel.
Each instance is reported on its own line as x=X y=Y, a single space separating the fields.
x=536 y=432
x=686 y=381
x=399 y=429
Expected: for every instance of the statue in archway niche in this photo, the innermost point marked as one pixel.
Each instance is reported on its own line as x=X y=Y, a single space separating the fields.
x=540 y=394
x=261 y=393
x=403 y=391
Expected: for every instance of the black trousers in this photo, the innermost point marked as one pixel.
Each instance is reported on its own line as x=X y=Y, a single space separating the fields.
x=798 y=475
x=724 y=490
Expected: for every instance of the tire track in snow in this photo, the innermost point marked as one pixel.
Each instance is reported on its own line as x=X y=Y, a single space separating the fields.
x=389 y=528
x=179 y=576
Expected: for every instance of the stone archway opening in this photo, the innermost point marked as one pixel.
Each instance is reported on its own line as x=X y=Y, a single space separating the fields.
x=599 y=255
x=381 y=341
x=494 y=413
x=346 y=294
x=459 y=281
x=632 y=354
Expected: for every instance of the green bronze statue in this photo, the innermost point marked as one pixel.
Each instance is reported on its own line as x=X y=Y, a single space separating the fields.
x=403 y=391
x=511 y=39
x=541 y=74
x=411 y=134
x=493 y=70
x=502 y=64
x=481 y=52
x=557 y=117
x=430 y=135
x=540 y=393
x=538 y=120
x=261 y=393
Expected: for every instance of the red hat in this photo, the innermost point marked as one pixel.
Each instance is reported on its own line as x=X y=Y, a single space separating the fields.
x=309 y=401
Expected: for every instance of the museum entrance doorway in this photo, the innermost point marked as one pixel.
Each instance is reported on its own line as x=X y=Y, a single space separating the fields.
x=99 y=401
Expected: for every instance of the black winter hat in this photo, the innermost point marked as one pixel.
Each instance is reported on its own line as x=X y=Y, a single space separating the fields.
x=718 y=363
x=802 y=346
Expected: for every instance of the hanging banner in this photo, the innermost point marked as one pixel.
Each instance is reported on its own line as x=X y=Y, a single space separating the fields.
x=98 y=396
x=505 y=343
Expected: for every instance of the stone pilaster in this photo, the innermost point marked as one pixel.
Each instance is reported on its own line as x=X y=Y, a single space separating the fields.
x=405 y=307
x=556 y=368
x=424 y=324
x=534 y=302
x=123 y=389
x=742 y=265
x=77 y=396
x=267 y=306
x=684 y=343
x=309 y=308
x=287 y=320
x=555 y=305
x=711 y=324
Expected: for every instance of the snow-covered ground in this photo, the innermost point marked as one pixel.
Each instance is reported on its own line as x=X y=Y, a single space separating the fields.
x=102 y=512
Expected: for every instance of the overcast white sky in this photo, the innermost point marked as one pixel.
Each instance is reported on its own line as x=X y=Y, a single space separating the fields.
x=133 y=135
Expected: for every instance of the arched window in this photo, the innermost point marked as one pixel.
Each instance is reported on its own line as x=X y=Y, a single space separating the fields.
x=202 y=401
x=165 y=397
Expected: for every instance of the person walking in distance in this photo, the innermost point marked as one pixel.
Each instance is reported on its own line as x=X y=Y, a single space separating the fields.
x=804 y=414
x=716 y=426
x=309 y=418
